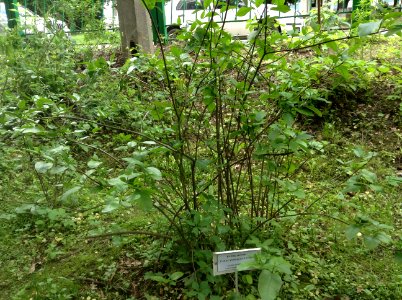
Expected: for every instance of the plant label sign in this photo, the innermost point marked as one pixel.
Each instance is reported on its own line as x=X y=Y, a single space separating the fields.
x=227 y=261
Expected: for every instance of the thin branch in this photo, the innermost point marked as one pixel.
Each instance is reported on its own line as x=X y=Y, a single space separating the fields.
x=129 y=232
x=100 y=150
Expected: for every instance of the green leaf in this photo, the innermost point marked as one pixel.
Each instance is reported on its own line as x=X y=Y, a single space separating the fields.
x=383 y=69
x=132 y=161
x=31 y=130
x=118 y=183
x=70 y=192
x=353 y=186
x=150 y=4
x=394 y=180
x=383 y=238
x=248 y=278
x=315 y=110
x=333 y=46
x=246 y=265
x=368 y=28
x=371 y=242
x=359 y=152
x=281 y=8
x=352 y=231
x=305 y=112
x=260 y=115
x=243 y=11
x=207 y=3
x=42 y=166
x=54 y=214
x=57 y=170
x=40 y=102
x=369 y=176
x=269 y=285
x=25 y=208
x=396 y=29
x=281 y=265
x=202 y=164
x=156 y=277
x=93 y=164
x=144 y=199
x=154 y=172
x=183 y=260
x=258 y=3
x=176 y=275
x=376 y=188
x=111 y=206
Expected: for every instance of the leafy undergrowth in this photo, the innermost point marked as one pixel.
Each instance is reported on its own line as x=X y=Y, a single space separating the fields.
x=77 y=219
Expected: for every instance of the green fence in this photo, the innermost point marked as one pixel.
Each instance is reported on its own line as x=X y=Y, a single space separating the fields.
x=72 y=16
x=86 y=16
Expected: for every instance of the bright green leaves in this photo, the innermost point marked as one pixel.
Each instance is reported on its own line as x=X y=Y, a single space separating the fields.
x=395 y=29
x=170 y=279
x=269 y=285
x=111 y=205
x=43 y=167
x=33 y=130
x=292 y=188
x=42 y=103
x=154 y=173
x=280 y=6
x=361 y=178
x=143 y=198
x=258 y=3
x=364 y=180
x=309 y=110
x=368 y=28
x=175 y=276
x=394 y=180
x=93 y=164
x=243 y=11
x=140 y=197
x=206 y=3
x=372 y=233
x=136 y=183
x=352 y=231
x=67 y=194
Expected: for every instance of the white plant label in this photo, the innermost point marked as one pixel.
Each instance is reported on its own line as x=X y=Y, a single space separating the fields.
x=227 y=261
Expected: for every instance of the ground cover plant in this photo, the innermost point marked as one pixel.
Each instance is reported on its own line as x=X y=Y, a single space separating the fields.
x=119 y=180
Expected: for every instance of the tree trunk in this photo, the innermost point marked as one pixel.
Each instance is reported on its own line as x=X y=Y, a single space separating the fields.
x=135 y=27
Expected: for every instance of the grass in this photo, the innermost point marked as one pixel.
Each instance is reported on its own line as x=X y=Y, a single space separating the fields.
x=93 y=38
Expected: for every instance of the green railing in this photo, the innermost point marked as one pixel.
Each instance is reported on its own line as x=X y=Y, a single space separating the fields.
x=72 y=16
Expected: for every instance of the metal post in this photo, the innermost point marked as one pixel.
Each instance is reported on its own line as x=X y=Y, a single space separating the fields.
x=12 y=12
x=101 y=9
x=356 y=4
x=158 y=17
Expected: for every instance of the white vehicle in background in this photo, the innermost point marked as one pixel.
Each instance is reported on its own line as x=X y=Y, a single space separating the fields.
x=110 y=16
x=3 y=19
x=181 y=13
x=31 y=22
